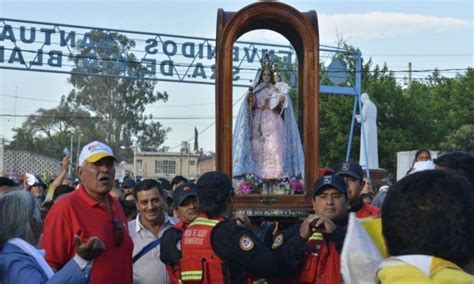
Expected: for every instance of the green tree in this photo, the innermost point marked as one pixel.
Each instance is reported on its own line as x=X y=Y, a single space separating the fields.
x=117 y=103
x=460 y=140
x=48 y=132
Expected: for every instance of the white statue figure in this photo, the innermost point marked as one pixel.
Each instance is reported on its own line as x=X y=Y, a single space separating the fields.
x=368 y=139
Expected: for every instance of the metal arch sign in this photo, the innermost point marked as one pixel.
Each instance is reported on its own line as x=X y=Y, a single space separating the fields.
x=50 y=47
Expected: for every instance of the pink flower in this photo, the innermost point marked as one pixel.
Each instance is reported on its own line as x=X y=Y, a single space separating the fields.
x=245 y=188
x=296 y=186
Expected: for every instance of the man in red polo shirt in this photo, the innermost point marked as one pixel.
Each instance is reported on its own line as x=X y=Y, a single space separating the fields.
x=91 y=211
x=354 y=178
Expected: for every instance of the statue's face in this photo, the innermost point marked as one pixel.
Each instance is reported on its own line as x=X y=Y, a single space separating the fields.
x=266 y=76
x=364 y=97
x=276 y=77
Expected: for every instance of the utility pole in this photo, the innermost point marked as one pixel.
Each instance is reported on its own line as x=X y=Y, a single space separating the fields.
x=409 y=74
x=71 y=155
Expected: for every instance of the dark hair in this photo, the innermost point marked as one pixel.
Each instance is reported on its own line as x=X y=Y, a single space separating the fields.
x=215 y=192
x=129 y=209
x=419 y=152
x=148 y=184
x=177 y=180
x=212 y=201
x=61 y=190
x=432 y=213
x=461 y=162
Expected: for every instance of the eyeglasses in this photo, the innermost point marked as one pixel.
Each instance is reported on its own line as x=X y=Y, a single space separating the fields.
x=118 y=232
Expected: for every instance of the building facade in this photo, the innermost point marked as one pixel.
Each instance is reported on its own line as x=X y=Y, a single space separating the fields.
x=166 y=164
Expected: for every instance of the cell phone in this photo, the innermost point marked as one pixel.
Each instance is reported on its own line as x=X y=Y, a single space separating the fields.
x=66 y=152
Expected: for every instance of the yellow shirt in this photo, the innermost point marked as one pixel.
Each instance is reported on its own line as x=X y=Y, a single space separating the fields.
x=421 y=269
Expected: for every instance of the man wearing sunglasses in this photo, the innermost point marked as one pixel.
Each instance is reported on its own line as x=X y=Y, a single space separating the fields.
x=90 y=211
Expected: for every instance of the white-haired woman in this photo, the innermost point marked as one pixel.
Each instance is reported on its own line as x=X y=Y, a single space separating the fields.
x=21 y=261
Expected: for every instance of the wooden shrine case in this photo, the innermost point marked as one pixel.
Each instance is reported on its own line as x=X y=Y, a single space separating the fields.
x=301 y=29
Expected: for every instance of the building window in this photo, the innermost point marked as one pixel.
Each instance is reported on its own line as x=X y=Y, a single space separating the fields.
x=165 y=167
x=192 y=163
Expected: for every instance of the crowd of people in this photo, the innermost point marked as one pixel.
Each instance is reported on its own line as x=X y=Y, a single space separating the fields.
x=156 y=231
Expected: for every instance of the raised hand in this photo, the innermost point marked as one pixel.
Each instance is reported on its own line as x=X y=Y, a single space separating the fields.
x=307 y=225
x=244 y=221
x=65 y=163
x=90 y=250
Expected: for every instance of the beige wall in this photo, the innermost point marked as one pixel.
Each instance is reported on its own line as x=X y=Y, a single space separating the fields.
x=207 y=165
x=185 y=165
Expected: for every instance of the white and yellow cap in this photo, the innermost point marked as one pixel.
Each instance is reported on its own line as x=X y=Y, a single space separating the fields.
x=95 y=151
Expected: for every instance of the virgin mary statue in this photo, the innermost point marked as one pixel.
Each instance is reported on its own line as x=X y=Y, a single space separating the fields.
x=266 y=140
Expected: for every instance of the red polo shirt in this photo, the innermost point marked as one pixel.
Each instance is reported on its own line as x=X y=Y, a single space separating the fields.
x=77 y=213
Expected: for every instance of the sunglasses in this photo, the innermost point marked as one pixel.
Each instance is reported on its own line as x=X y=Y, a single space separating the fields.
x=118 y=232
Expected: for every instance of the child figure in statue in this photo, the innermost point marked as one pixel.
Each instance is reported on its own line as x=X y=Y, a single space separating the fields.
x=266 y=140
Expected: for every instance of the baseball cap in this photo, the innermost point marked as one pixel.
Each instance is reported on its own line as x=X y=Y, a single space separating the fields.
x=349 y=169
x=326 y=171
x=333 y=181
x=95 y=151
x=164 y=183
x=4 y=181
x=129 y=183
x=215 y=180
x=183 y=191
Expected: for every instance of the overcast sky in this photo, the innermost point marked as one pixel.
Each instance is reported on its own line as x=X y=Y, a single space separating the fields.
x=429 y=34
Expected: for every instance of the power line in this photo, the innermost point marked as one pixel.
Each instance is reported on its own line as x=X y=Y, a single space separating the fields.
x=210 y=125
x=420 y=54
x=53 y=101
x=100 y=118
x=28 y=98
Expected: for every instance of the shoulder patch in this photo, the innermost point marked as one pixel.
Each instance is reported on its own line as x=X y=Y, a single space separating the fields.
x=278 y=241
x=178 y=245
x=246 y=243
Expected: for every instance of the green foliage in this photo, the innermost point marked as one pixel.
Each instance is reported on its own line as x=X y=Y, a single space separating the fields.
x=118 y=103
x=110 y=109
x=48 y=132
x=460 y=140
x=423 y=115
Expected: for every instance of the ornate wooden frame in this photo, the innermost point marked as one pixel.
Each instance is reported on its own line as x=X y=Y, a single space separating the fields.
x=301 y=29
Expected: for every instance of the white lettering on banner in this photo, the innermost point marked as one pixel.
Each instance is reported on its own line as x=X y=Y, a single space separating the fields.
x=47 y=47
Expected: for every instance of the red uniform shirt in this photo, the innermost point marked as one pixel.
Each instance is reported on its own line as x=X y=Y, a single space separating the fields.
x=322 y=264
x=77 y=213
x=199 y=263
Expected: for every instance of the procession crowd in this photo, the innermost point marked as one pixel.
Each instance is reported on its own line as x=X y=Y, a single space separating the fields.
x=156 y=231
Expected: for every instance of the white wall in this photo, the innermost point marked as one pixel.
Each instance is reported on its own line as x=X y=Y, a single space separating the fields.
x=405 y=161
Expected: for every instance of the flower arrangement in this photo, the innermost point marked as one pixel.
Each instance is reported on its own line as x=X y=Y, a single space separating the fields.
x=252 y=184
x=249 y=184
x=296 y=185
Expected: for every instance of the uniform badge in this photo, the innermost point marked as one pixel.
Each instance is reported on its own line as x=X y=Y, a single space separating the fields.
x=178 y=245
x=327 y=179
x=278 y=241
x=246 y=243
x=345 y=166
